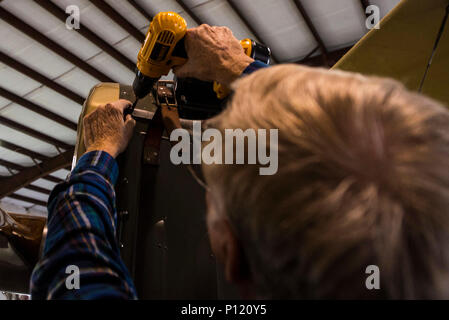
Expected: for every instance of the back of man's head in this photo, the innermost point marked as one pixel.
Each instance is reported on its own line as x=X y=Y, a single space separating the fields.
x=363 y=179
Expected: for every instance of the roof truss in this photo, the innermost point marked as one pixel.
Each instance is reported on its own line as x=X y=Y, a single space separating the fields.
x=45 y=165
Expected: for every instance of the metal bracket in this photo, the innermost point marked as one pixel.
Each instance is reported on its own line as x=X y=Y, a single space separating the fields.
x=165 y=98
x=165 y=93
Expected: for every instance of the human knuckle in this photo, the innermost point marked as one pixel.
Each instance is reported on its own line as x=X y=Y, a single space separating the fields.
x=99 y=110
x=89 y=116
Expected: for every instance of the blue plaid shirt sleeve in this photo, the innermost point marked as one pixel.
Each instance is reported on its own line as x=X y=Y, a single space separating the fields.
x=82 y=220
x=253 y=67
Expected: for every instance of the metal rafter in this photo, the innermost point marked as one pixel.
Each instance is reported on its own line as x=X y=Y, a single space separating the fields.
x=119 y=19
x=365 y=4
x=14 y=166
x=15 y=148
x=27 y=199
x=317 y=61
x=140 y=9
x=50 y=178
x=52 y=45
x=10 y=165
x=20 y=67
x=313 y=30
x=38 y=109
x=36 y=134
x=242 y=17
x=38 y=189
x=192 y=14
x=25 y=177
x=310 y=54
x=88 y=34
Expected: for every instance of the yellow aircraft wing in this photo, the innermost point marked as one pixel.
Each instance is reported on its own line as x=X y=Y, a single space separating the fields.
x=401 y=48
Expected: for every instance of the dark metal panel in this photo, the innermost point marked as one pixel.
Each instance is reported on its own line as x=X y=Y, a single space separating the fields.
x=88 y=34
x=314 y=31
x=25 y=177
x=51 y=45
x=163 y=232
x=162 y=223
x=242 y=17
x=117 y=18
x=28 y=199
x=23 y=151
x=36 y=134
x=38 y=109
x=189 y=12
x=18 y=66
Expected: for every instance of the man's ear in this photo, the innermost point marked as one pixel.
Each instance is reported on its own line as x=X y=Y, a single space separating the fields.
x=235 y=265
x=225 y=245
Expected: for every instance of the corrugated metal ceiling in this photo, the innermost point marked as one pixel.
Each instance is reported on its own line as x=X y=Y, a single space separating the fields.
x=278 y=23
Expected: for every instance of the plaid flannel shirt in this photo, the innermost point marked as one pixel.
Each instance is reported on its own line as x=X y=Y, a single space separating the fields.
x=82 y=221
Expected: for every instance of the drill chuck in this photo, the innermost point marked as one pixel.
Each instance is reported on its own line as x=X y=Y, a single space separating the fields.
x=143 y=85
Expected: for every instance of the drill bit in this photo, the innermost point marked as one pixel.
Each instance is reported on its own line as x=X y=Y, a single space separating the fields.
x=134 y=105
x=130 y=110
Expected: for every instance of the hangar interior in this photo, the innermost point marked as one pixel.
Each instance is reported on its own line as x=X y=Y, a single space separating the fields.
x=47 y=69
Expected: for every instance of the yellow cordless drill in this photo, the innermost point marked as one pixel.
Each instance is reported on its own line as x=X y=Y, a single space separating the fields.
x=164 y=48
